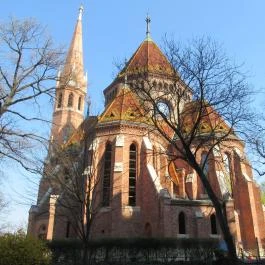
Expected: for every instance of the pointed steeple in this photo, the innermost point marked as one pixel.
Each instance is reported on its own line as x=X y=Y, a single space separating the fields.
x=70 y=89
x=74 y=66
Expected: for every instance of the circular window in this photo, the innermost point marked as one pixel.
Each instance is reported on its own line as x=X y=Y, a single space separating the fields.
x=163 y=108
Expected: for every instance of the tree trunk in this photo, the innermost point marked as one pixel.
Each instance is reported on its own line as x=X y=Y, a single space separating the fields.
x=220 y=212
x=221 y=215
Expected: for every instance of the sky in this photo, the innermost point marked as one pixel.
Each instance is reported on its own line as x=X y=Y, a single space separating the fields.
x=113 y=30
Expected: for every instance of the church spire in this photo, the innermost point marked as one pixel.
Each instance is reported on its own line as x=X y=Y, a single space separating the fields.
x=74 y=66
x=71 y=89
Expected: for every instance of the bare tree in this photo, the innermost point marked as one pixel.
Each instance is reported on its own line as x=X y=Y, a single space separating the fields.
x=256 y=137
x=74 y=176
x=3 y=207
x=202 y=108
x=28 y=62
x=3 y=204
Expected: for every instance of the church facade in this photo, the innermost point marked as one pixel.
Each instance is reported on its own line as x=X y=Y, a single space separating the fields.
x=140 y=192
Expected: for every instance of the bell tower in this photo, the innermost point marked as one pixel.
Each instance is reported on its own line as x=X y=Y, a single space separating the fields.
x=71 y=89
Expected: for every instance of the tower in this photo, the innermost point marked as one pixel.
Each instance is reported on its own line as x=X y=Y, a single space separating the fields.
x=71 y=90
x=68 y=114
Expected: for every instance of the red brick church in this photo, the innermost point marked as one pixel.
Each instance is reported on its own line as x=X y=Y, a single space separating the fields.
x=142 y=193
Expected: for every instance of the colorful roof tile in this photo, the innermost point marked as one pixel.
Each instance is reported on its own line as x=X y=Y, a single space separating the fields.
x=208 y=118
x=148 y=58
x=125 y=106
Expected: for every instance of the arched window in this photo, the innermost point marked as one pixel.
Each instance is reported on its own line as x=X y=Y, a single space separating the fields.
x=66 y=132
x=132 y=175
x=60 y=100
x=68 y=227
x=213 y=225
x=204 y=164
x=163 y=108
x=106 y=175
x=148 y=230
x=182 y=224
x=228 y=177
x=227 y=165
x=42 y=234
x=70 y=100
x=205 y=167
x=155 y=158
x=79 y=103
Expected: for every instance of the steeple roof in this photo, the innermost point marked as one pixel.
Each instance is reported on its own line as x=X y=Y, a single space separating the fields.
x=74 y=65
x=148 y=58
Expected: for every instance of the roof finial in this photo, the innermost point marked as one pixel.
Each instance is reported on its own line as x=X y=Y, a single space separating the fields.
x=88 y=106
x=148 y=21
x=81 y=9
x=125 y=77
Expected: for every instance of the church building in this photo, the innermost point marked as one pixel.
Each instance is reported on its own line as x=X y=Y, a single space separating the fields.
x=140 y=192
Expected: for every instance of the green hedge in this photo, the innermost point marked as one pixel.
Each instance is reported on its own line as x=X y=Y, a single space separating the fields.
x=19 y=249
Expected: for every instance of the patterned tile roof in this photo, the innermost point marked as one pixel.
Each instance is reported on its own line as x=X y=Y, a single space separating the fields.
x=208 y=118
x=148 y=58
x=125 y=106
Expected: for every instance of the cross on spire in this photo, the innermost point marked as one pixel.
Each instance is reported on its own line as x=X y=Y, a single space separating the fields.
x=148 y=21
x=81 y=10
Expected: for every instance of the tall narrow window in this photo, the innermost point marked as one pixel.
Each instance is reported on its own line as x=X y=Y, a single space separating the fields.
x=205 y=167
x=132 y=175
x=227 y=176
x=155 y=158
x=67 y=131
x=70 y=100
x=42 y=232
x=68 y=226
x=213 y=225
x=204 y=163
x=79 y=103
x=60 y=100
x=182 y=224
x=148 y=230
x=227 y=167
x=106 y=176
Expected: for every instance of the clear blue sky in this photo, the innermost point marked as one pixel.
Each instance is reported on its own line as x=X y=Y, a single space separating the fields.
x=114 y=29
